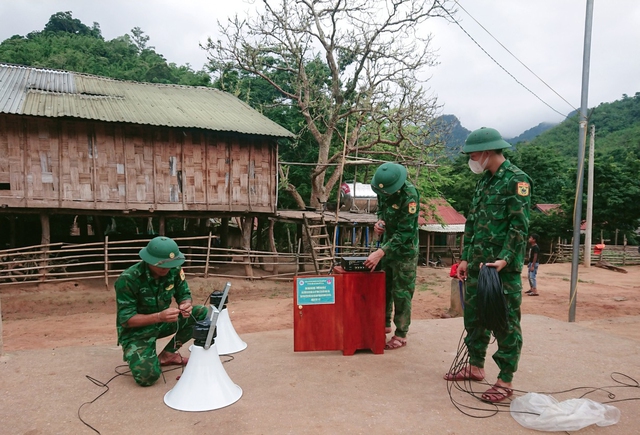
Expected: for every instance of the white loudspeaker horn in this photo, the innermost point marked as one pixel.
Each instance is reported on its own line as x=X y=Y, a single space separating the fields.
x=204 y=385
x=227 y=340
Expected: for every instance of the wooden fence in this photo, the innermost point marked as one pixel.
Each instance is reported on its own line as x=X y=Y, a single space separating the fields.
x=620 y=255
x=108 y=259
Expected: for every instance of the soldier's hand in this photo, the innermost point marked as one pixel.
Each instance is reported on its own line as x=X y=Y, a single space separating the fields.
x=185 y=308
x=498 y=264
x=461 y=272
x=170 y=315
x=373 y=259
x=378 y=228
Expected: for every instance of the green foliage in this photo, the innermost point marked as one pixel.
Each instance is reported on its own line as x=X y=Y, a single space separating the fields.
x=551 y=226
x=617 y=206
x=552 y=174
x=63 y=22
x=461 y=183
x=618 y=117
x=67 y=44
x=551 y=161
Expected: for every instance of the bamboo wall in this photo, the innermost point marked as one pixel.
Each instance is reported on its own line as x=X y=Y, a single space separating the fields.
x=75 y=164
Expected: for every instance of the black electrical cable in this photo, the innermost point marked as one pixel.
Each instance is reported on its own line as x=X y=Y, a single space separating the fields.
x=128 y=373
x=491 y=305
x=485 y=409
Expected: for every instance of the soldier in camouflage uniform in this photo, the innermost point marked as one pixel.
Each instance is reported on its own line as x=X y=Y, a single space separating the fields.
x=398 y=208
x=495 y=236
x=144 y=293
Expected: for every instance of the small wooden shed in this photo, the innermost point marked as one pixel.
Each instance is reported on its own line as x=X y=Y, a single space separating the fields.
x=76 y=143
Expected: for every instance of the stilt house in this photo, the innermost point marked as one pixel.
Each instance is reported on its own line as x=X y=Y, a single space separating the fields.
x=74 y=143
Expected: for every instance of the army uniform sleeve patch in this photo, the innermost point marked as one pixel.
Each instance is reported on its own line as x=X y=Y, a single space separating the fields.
x=182 y=274
x=523 y=188
x=413 y=207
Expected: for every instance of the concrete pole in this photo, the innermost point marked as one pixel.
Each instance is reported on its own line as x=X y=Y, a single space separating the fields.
x=577 y=219
x=589 y=228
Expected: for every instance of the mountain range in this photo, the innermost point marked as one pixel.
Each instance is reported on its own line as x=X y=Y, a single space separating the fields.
x=455 y=134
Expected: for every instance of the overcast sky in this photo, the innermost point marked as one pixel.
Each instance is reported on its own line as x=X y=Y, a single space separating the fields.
x=546 y=35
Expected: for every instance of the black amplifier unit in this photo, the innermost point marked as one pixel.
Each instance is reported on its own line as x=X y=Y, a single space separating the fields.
x=355 y=264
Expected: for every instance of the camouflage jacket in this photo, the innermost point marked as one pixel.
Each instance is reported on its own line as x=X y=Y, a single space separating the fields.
x=498 y=220
x=137 y=292
x=400 y=214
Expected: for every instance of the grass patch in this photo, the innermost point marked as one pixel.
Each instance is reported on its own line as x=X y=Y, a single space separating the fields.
x=425 y=287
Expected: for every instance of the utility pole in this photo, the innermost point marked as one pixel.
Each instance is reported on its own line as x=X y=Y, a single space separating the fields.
x=587 y=236
x=577 y=218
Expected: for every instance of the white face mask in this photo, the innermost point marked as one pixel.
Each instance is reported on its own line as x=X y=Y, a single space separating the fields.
x=477 y=167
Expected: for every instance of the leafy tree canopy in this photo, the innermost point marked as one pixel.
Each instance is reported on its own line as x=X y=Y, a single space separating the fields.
x=68 y=44
x=551 y=161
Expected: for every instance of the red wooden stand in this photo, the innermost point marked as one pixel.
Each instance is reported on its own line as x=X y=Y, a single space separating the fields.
x=355 y=321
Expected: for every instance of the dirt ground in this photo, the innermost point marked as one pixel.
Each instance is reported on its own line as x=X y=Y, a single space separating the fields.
x=82 y=313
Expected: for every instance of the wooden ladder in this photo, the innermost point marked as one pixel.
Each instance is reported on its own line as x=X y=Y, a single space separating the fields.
x=320 y=244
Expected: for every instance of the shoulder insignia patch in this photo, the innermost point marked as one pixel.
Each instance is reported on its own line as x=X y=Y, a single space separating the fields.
x=169 y=287
x=523 y=188
x=395 y=206
x=182 y=274
x=413 y=207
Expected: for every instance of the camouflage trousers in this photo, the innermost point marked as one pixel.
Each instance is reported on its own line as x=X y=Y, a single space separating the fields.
x=509 y=341
x=139 y=350
x=400 y=284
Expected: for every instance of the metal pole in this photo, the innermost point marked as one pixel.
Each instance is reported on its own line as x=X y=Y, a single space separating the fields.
x=589 y=226
x=577 y=217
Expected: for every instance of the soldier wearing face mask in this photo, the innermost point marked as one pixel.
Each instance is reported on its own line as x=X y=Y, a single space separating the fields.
x=495 y=235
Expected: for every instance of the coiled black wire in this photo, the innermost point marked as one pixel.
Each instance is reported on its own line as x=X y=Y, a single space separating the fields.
x=491 y=304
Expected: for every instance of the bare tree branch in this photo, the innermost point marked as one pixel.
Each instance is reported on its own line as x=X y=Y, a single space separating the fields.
x=356 y=59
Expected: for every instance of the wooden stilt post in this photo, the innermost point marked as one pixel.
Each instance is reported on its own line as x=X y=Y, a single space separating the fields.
x=272 y=243
x=247 y=227
x=206 y=264
x=45 y=240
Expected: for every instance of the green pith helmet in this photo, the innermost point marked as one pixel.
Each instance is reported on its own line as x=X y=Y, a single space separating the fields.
x=389 y=178
x=484 y=139
x=162 y=252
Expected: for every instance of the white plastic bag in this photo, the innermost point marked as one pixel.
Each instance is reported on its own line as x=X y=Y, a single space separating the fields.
x=543 y=412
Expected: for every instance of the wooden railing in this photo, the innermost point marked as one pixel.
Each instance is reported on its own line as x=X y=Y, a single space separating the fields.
x=108 y=259
x=620 y=255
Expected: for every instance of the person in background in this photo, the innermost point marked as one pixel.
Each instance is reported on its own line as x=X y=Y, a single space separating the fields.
x=532 y=266
x=397 y=225
x=144 y=294
x=494 y=236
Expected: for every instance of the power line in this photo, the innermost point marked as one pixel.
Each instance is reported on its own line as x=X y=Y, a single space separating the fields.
x=503 y=68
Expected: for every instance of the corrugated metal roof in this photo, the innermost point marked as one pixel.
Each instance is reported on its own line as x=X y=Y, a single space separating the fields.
x=447 y=215
x=49 y=93
x=437 y=228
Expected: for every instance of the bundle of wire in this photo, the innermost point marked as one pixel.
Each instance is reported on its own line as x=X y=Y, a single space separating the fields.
x=491 y=304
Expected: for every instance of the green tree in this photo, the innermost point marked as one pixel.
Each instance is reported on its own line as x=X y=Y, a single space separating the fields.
x=69 y=45
x=552 y=175
x=65 y=23
x=460 y=185
x=616 y=199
